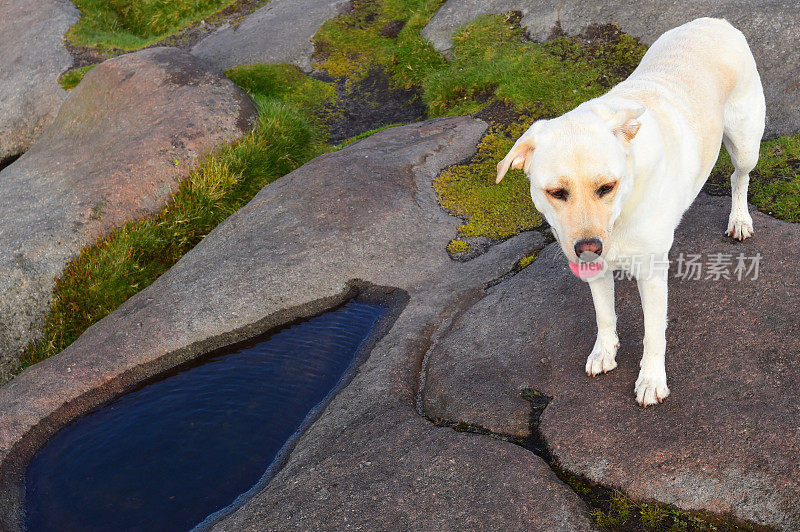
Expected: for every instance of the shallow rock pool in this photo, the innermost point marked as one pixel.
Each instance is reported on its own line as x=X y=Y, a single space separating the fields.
x=172 y=452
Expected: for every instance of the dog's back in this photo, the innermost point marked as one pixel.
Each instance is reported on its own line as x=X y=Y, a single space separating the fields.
x=705 y=71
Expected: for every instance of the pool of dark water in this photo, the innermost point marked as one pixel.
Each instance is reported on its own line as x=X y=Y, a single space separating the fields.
x=172 y=452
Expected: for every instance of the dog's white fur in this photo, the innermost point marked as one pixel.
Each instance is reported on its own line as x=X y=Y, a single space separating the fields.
x=655 y=138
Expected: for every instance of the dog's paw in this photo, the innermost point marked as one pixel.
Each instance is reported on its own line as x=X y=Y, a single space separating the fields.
x=651 y=387
x=740 y=225
x=603 y=357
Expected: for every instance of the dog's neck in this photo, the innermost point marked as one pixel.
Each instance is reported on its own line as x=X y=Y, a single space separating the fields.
x=646 y=166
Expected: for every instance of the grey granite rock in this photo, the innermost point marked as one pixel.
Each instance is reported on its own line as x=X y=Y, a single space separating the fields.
x=109 y=157
x=32 y=57
x=772 y=28
x=279 y=32
x=370 y=461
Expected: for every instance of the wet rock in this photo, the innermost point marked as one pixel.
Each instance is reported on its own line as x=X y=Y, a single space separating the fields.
x=119 y=146
x=32 y=57
x=370 y=103
x=279 y=32
x=771 y=28
x=366 y=212
x=725 y=441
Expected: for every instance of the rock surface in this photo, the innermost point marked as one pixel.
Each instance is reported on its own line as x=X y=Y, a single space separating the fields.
x=727 y=438
x=32 y=57
x=120 y=144
x=772 y=28
x=279 y=32
x=427 y=478
x=370 y=461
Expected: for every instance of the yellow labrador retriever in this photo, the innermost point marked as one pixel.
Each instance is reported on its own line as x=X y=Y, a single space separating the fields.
x=614 y=176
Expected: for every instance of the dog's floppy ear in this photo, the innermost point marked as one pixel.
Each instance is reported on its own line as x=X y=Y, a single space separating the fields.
x=520 y=155
x=623 y=121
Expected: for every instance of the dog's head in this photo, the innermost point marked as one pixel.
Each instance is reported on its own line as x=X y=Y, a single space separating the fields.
x=578 y=168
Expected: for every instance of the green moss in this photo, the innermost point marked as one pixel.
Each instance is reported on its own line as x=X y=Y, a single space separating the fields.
x=468 y=191
x=612 y=510
x=133 y=24
x=613 y=53
x=351 y=44
x=618 y=514
x=107 y=273
x=70 y=79
x=458 y=246
x=774 y=183
x=527 y=260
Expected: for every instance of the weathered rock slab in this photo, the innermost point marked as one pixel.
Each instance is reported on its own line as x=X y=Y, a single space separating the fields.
x=367 y=212
x=727 y=438
x=772 y=29
x=32 y=56
x=279 y=32
x=413 y=476
x=119 y=146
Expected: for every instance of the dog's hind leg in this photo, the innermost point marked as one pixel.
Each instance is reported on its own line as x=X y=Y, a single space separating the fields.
x=604 y=353
x=743 y=128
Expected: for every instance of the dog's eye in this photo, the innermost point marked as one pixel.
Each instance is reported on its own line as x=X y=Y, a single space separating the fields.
x=605 y=189
x=559 y=193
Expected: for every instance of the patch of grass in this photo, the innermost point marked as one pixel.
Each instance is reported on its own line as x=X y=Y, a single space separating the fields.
x=133 y=24
x=618 y=514
x=624 y=514
x=774 y=183
x=492 y=61
x=128 y=260
x=72 y=77
x=285 y=83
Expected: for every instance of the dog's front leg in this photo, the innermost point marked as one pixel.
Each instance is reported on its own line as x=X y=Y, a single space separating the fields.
x=604 y=353
x=651 y=386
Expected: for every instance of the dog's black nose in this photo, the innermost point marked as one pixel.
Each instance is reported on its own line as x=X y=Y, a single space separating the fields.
x=589 y=245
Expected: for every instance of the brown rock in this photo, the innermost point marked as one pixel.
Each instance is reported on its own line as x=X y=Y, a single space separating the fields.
x=725 y=441
x=280 y=32
x=119 y=146
x=32 y=56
